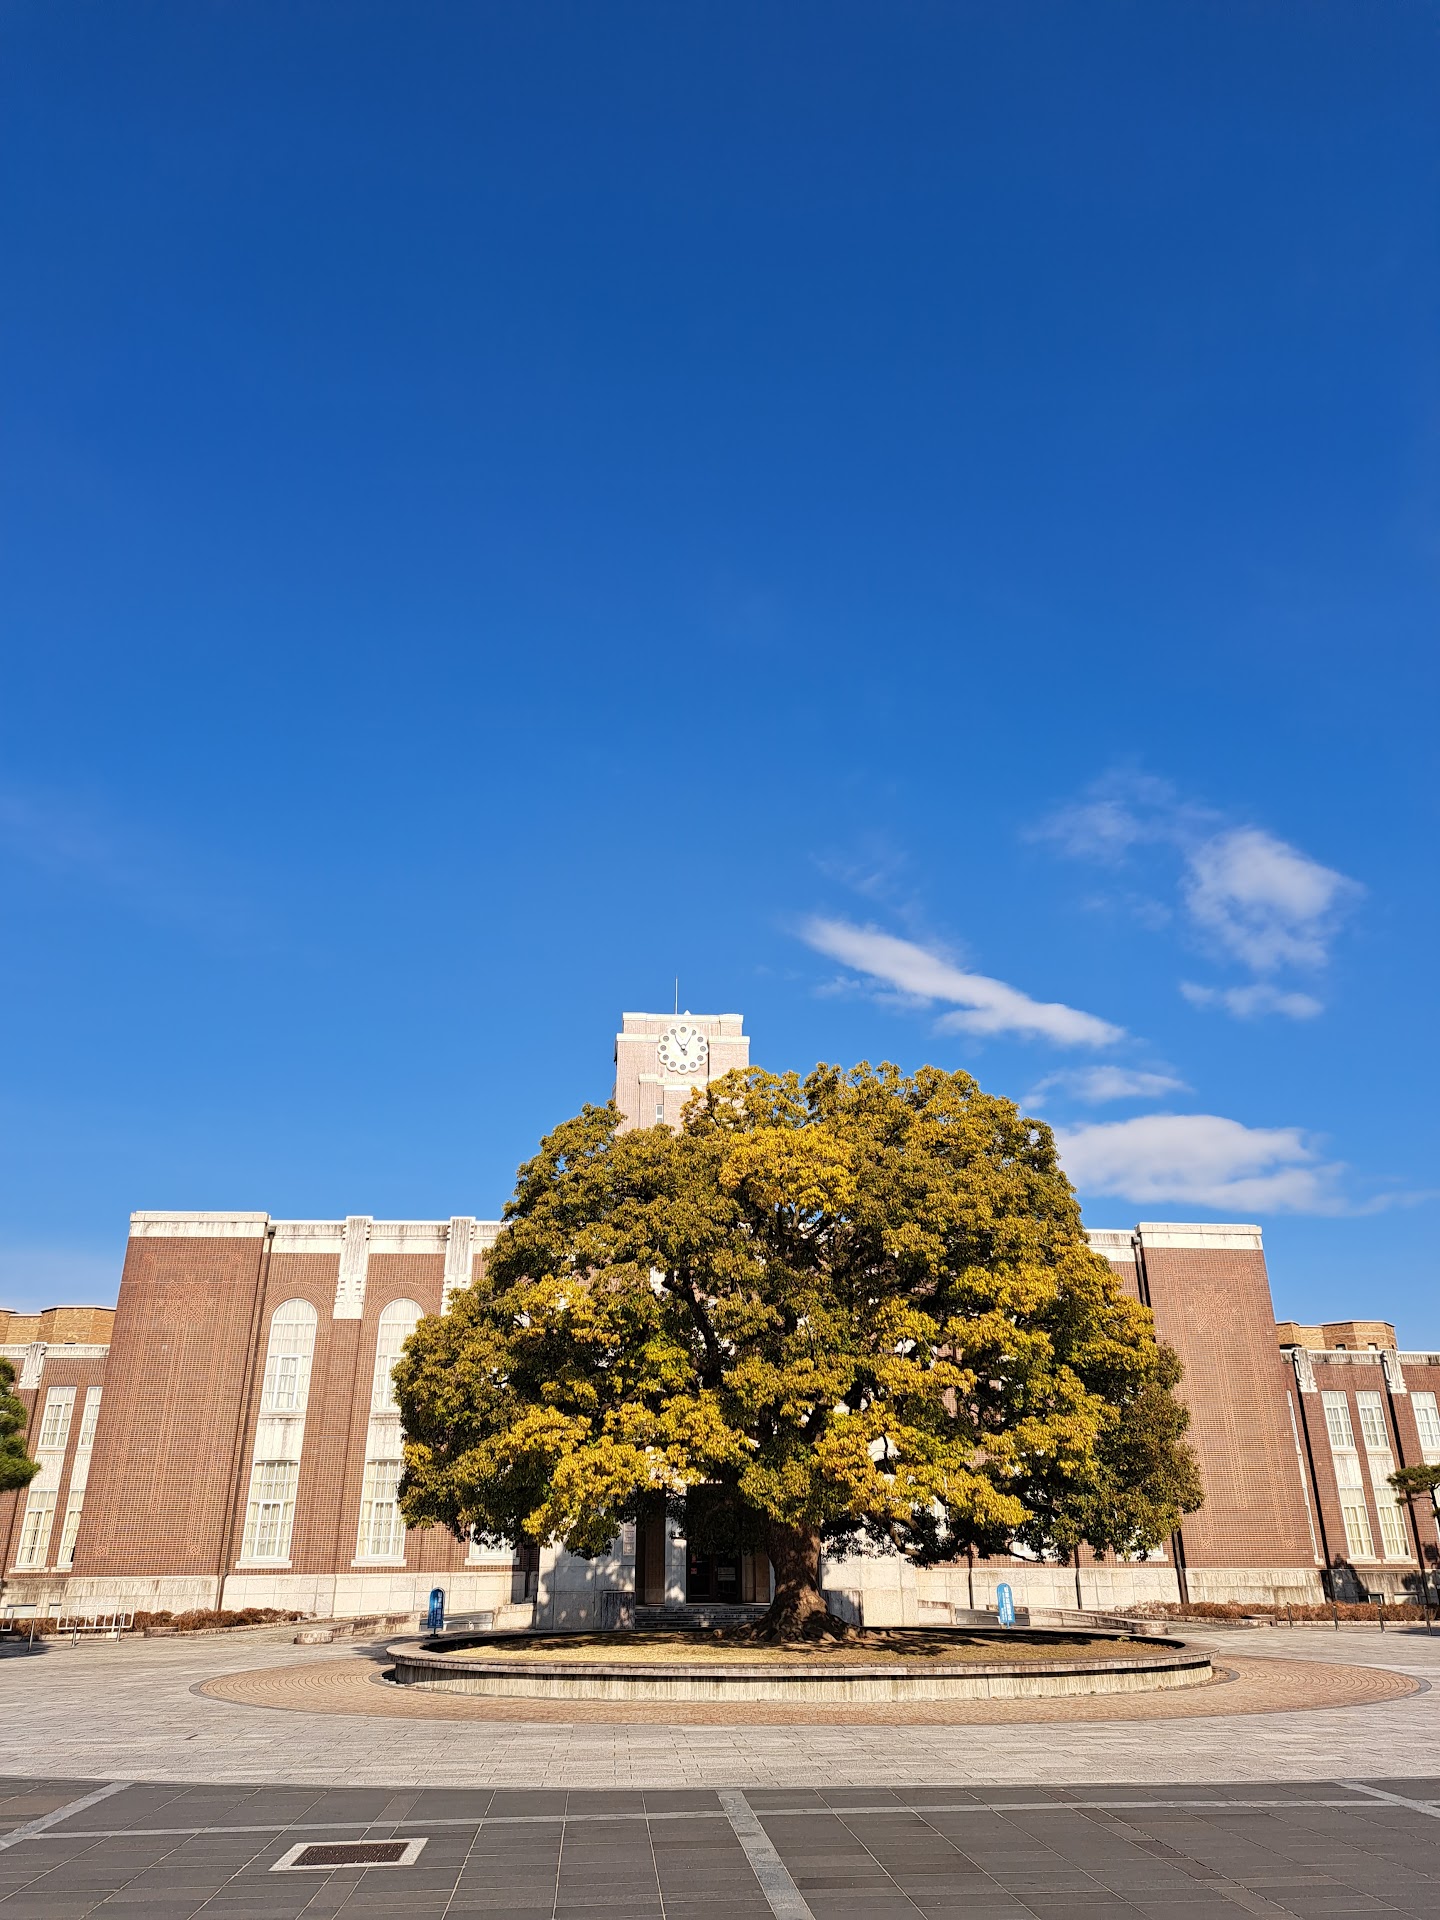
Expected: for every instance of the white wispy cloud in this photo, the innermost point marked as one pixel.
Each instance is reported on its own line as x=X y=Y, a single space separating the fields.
x=1121 y=811
x=1265 y=902
x=1248 y=1002
x=1095 y=1086
x=988 y=1006
x=1200 y=1159
x=1248 y=896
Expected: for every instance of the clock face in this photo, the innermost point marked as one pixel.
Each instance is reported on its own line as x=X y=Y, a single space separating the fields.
x=683 y=1049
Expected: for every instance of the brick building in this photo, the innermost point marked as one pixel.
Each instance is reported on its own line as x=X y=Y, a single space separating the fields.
x=227 y=1435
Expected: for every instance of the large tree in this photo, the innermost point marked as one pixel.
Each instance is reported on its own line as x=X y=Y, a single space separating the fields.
x=857 y=1310
x=17 y=1469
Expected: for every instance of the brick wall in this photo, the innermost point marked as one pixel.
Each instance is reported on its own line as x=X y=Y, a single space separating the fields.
x=166 y=1455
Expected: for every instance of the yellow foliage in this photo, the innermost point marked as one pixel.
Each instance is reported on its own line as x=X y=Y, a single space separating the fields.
x=858 y=1306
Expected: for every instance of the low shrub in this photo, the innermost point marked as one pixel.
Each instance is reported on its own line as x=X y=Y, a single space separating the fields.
x=200 y=1617
x=1366 y=1610
x=167 y=1622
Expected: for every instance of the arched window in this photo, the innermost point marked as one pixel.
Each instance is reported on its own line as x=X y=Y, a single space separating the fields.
x=287 y=1358
x=397 y=1323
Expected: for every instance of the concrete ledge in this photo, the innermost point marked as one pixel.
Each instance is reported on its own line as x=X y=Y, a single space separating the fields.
x=440 y=1669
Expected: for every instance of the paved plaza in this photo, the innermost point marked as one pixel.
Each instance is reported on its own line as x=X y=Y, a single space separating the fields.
x=130 y=1789
x=132 y=1712
x=173 y=1850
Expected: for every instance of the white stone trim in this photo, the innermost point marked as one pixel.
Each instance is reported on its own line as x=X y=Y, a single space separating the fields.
x=427 y=1237
x=307 y=1236
x=1199 y=1236
x=354 y=1265
x=57 y=1350
x=209 y=1226
x=1111 y=1240
x=408 y=1236
x=458 y=1243
x=1304 y=1365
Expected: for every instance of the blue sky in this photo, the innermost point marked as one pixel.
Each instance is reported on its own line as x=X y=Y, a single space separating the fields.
x=919 y=520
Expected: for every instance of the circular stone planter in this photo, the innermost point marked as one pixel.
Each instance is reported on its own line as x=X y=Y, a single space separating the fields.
x=461 y=1666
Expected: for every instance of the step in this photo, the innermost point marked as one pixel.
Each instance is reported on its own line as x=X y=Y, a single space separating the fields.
x=697 y=1617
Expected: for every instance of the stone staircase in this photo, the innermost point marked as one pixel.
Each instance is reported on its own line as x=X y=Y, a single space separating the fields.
x=699 y=1618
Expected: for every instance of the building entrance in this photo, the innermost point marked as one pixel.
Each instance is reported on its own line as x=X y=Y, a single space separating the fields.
x=712 y=1576
x=650 y=1555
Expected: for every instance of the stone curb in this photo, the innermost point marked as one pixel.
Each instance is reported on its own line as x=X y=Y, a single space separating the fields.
x=420 y=1663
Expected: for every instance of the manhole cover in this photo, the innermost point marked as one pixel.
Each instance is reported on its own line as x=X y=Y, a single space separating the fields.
x=322 y=1855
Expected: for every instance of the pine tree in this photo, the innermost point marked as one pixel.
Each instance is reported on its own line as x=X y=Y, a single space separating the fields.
x=17 y=1469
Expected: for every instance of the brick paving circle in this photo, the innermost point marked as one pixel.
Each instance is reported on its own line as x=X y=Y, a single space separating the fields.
x=1241 y=1686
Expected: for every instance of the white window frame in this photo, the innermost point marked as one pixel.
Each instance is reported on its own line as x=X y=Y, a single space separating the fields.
x=1337 y=1420
x=1359 y=1540
x=1394 y=1535
x=397 y=1323
x=69 y=1531
x=36 y=1527
x=289 y=1355
x=55 y=1420
x=270 y=1513
x=1427 y=1425
x=381 y=1534
x=89 y=1419
x=1373 y=1430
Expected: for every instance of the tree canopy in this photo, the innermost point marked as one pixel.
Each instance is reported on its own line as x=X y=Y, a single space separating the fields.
x=857 y=1309
x=1421 y=1479
x=17 y=1469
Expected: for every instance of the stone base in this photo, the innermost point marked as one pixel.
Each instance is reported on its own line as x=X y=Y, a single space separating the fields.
x=882 y=1590
x=35 y=1595
x=431 y=1665
x=1264 y=1586
x=342 y=1596
x=140 y=1593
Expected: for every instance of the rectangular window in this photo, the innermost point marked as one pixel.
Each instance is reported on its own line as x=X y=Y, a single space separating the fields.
x=1392 y=1528
x=287 y=1383
x=1372 y=1421
x=382 y=1532
x=89 y=1417
x=270 y=1515
x=66 y=1555
x=55 y=1423
x=1427 y=1420
x=1357 y=1530
x=1337 y=1420
x=35 y=1528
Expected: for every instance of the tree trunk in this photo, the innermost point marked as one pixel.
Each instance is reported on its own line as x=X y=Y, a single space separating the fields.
x=798 y=1611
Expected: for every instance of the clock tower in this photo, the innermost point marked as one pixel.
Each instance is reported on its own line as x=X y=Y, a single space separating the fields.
x=661 y=1057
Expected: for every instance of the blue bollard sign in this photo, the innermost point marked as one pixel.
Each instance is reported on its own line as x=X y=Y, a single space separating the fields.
x=435 y=1617
x=1005 y=1604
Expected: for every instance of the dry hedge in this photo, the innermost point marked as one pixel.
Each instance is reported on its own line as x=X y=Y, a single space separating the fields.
x=1366 y=1610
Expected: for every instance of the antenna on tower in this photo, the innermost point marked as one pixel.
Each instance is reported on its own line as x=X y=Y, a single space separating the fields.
x=677 y=993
